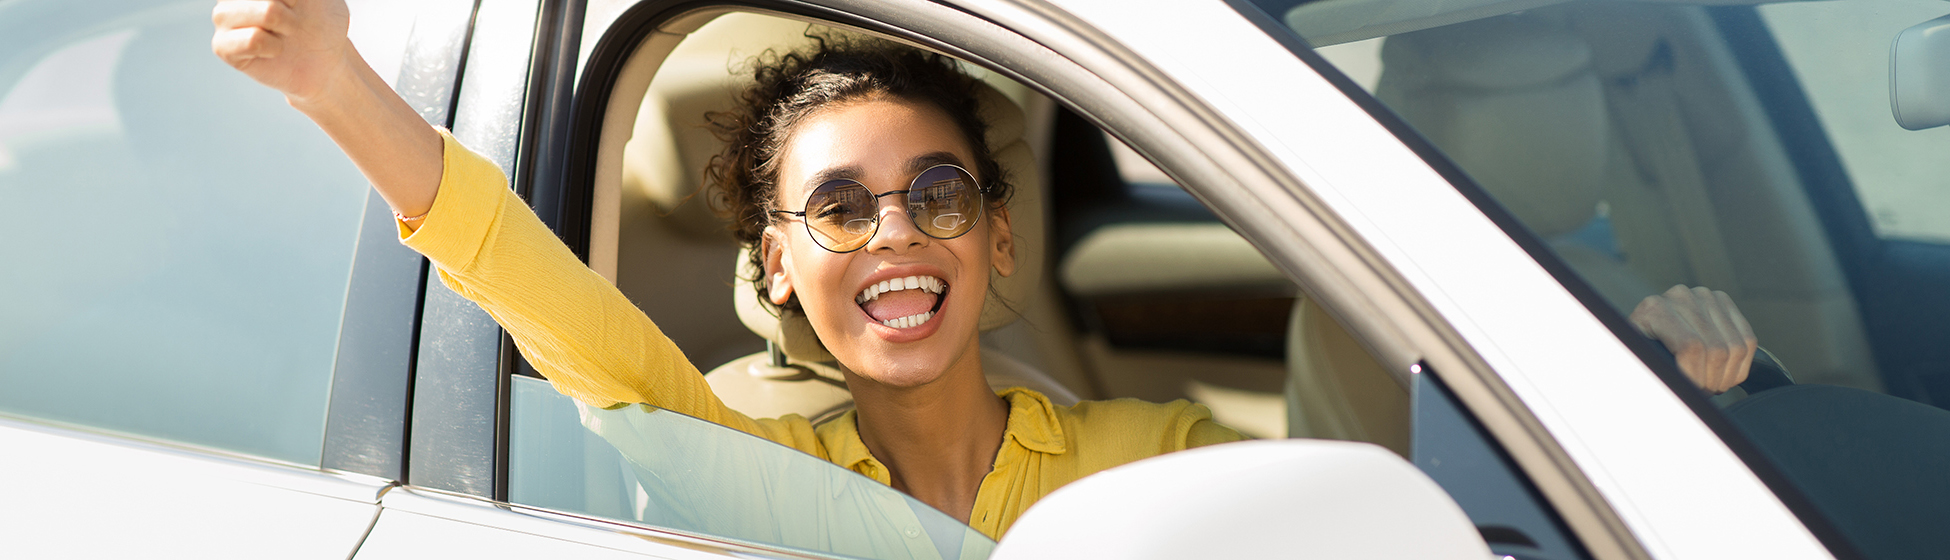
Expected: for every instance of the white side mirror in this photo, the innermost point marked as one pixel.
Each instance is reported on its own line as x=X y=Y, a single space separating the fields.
x=1261 y=499
x=1919 y=75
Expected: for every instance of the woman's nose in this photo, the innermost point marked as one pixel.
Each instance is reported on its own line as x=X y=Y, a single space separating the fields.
x=897 y=231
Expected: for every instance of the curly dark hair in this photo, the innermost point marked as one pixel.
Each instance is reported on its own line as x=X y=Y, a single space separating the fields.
x=787 y=88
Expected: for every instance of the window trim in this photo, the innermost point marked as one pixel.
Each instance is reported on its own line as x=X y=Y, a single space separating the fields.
x=458 y=416
x=372 y=370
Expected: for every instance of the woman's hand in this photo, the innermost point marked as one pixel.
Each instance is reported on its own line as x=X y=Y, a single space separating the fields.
x=1711 y=339
x=298 y=47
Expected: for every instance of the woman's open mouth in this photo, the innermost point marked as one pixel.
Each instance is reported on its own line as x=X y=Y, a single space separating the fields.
x=903 y=302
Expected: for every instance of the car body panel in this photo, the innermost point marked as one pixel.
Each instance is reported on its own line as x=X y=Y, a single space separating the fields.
x=88 y=495
x=421 y=524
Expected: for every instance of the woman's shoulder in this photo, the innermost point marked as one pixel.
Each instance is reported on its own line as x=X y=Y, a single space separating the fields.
x=1175 y=425
x=1124 y=425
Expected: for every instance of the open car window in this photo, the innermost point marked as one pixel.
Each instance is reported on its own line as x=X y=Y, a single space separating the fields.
x=1138 y=290
x=1746 y=149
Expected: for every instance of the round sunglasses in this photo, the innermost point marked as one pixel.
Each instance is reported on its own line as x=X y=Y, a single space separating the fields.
x=842 y=215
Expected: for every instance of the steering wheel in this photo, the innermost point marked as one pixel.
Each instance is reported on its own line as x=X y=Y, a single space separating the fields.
x=1765 y=373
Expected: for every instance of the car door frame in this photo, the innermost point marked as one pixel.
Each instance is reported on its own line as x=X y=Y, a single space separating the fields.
x=1252 y=190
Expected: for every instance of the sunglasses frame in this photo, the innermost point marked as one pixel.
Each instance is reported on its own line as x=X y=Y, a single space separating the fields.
x=981 y=207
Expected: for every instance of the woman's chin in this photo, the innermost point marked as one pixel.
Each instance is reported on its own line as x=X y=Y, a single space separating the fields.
x=905 y=372
x=901 y=375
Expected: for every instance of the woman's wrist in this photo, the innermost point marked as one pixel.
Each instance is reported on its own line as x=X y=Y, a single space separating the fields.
x=392 y=145
x=339 y=91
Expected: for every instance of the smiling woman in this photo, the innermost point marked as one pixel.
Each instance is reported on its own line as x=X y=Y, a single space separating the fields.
x=926 y=422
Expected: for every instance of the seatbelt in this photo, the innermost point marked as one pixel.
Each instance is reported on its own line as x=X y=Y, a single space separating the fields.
x=1646 y=108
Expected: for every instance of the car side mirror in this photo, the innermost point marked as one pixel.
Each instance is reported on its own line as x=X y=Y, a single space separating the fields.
x=1919 y=75
x=1291 y=498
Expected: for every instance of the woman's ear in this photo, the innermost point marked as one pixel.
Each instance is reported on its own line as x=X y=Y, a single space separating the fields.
x=1002 y=242
x=772 y=246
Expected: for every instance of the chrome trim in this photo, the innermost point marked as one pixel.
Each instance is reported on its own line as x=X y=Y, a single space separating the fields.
x=365 y=426
x=457 y=380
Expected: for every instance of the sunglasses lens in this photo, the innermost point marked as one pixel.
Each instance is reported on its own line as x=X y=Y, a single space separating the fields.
x=944 y=202
x=840 y=215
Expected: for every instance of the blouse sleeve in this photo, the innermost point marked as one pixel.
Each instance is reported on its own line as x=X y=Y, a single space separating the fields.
x=575 y=327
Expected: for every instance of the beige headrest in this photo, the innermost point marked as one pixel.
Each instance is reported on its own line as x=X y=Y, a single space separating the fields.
x=1005 y=137
x=1515 y=102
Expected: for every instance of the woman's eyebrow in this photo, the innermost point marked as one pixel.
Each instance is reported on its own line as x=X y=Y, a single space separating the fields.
x=831 y=173
x=924 y=161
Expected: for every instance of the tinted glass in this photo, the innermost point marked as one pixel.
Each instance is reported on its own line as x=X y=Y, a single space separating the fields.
x=1756 y=151
x=177 y=239
x=646 y=465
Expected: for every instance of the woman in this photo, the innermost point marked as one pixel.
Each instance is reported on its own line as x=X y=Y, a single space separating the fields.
x=859 y=173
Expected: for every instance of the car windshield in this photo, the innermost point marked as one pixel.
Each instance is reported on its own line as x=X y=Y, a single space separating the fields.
x=1791 y=155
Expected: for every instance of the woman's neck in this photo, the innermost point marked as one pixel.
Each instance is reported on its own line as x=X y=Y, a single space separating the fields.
x=937 y=440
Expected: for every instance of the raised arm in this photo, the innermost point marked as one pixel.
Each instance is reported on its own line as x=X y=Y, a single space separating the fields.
x=300 y=48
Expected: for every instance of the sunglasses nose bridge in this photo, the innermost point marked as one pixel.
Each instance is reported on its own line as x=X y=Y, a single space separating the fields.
x=894 y=224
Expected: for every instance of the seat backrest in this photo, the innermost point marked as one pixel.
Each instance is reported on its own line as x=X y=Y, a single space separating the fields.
x=1515 y=102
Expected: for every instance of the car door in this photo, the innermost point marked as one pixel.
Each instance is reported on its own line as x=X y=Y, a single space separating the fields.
x=194 y=300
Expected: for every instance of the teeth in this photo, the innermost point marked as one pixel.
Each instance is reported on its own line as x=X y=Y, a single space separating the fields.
x=929 y=283
x=909 y=321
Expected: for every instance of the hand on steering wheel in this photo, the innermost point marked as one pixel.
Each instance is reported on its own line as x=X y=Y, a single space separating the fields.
x=1706 y=333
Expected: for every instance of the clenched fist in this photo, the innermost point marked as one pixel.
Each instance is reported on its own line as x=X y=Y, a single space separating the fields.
x=1711 y=339
x=298 y=47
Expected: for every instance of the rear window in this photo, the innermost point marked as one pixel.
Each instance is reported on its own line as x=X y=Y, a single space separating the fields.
x=177 y=238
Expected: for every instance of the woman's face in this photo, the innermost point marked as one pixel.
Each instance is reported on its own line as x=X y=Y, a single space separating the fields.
x=884 y=143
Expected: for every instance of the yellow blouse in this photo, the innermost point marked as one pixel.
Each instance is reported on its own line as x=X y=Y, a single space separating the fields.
x=596 y=347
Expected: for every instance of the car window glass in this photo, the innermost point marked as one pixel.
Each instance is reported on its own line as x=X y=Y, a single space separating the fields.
x=1736 y=148
x=178 y=238
x=1898 y=173
x=645 y=465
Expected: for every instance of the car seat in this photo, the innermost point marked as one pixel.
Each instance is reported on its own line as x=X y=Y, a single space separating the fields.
x=1520 y=109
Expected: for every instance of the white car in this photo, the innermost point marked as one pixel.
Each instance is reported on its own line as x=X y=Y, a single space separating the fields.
x=1415 y=224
